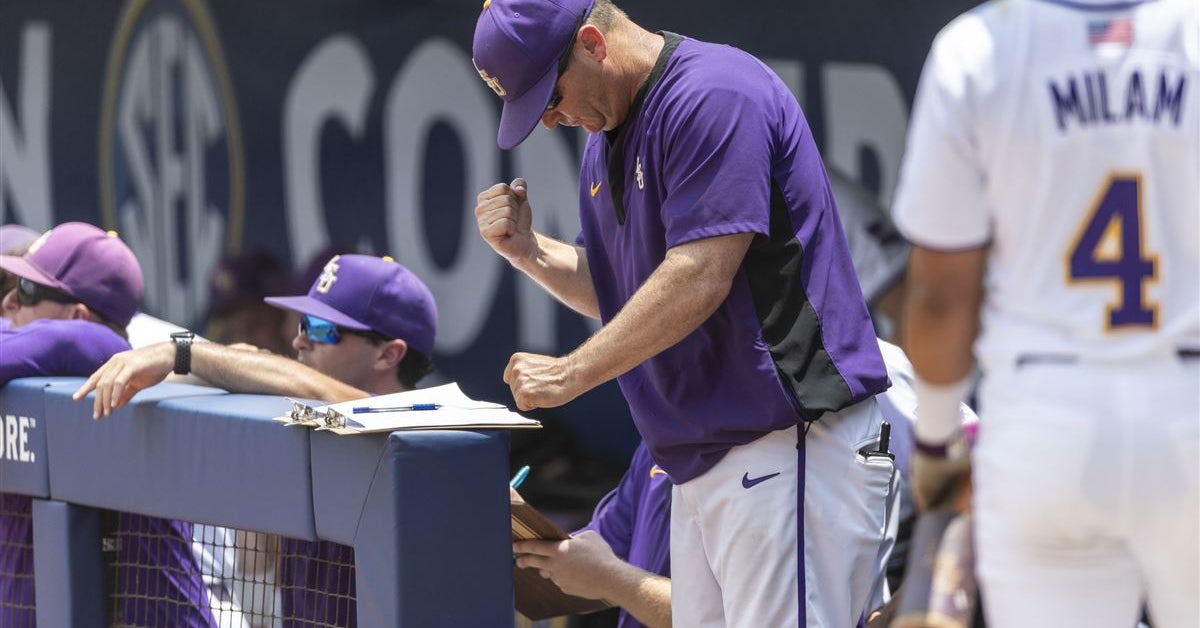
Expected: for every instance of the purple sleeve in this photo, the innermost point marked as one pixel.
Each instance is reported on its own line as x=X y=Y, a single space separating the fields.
x=615 y=516
x=52 y=347
x=717 y=164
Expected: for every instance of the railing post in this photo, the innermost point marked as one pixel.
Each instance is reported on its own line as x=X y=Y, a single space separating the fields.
x=68 y=565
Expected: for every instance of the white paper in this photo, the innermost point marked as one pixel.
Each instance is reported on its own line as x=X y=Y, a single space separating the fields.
x=455 y=411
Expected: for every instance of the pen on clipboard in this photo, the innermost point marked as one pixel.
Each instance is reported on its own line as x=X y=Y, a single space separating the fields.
x=416 y=407
x=520 y=476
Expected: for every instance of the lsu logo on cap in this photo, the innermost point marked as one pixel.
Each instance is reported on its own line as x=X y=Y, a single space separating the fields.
x=491 y=81
x=328 y=275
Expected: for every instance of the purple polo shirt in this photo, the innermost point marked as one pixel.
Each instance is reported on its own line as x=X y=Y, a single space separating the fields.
x=156 y=572
x=635 y=519
x=715 y=144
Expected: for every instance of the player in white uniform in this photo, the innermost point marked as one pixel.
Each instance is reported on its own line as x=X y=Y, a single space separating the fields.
x=1052 y=191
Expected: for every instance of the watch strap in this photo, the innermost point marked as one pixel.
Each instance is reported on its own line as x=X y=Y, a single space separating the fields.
x=183 y=351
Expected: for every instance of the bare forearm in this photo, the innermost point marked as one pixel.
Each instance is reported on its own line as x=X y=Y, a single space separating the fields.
x=562 y=269
x=242 y=371
x=682 y=293
x=942 y=313
x=644 y=595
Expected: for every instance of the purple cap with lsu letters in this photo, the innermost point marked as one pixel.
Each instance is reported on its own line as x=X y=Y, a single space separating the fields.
x=516 y=50
x=370 y=293
x=86 y=262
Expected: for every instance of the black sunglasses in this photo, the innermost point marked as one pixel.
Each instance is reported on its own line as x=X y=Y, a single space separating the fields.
x=563 y=61
x=30 y=293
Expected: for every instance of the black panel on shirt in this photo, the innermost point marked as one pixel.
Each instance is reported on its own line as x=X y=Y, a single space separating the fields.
x=616 y=137
x=789 y=322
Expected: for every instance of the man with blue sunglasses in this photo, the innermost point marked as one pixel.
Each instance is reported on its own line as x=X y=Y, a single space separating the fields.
x=367 y=327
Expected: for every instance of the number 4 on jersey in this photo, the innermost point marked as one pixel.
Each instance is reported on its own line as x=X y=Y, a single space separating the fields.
x=1109 y=248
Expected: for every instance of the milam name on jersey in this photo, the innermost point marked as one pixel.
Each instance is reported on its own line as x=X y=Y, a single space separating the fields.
x=1098 y=97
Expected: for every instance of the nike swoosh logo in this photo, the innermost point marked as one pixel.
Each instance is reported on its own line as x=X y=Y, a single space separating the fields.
x=656 y=471
x=747 y=482
x=595 y=188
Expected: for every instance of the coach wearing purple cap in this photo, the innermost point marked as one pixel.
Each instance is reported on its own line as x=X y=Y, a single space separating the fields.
x=712 y=251
x=367 y=327
x=78 y=288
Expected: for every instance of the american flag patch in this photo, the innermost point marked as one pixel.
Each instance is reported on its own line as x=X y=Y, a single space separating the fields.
x=1115 y=30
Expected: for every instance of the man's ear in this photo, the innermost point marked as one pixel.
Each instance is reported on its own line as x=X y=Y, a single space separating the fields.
x=593 y=42
x=80 y=311
x=391 y=353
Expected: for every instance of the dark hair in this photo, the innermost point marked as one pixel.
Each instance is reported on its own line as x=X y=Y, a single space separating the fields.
x=100 y=319
x=413 y=367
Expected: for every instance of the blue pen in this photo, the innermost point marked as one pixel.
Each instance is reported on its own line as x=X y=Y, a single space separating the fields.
x=413 y=407
x=519 y=478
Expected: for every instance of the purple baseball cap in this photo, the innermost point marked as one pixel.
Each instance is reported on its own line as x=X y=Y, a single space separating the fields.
x=516 y=50
x=86 y=262
x=370 y=293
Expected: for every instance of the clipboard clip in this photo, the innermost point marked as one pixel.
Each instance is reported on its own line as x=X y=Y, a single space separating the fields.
x=304 y=414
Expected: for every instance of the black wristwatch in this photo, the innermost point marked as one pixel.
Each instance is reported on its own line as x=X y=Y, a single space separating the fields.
x=183 y=351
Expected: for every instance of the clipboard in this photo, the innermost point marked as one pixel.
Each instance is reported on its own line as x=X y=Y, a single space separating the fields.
x=443 y=407
x=537 y=597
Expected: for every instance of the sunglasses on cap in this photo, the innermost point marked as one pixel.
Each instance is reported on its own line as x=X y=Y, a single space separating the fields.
x=324 y=332
x=30 y=293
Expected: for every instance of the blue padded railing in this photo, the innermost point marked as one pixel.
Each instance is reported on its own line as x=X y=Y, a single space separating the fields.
x=426 y=511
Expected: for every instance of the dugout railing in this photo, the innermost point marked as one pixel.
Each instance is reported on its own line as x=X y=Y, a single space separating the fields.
x=426 y=511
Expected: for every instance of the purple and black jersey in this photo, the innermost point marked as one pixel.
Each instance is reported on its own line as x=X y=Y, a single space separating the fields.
x=715 y=144
x=635 y=520
x=159 y=578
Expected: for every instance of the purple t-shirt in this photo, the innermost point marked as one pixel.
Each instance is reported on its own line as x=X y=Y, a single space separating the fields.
x=635 y=519
x=158 y=575
x=53 y=347
x=714 y=145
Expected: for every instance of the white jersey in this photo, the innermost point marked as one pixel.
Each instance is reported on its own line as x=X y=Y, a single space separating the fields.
x=1067 y=136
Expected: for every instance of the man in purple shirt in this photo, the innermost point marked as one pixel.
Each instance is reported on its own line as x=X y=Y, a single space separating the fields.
x=712 y=251
x=78 y=288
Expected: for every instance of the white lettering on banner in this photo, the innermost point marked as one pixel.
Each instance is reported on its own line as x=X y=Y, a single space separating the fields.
x=334 y=84
x=26 y=425
x=167 y=117
x=24 y=148
x=864 y=107
x=16 y=438
x=10 y=437
x=439 y=84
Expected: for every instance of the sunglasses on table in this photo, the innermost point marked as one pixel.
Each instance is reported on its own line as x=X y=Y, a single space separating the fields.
x=325 y=332
x=30 y=293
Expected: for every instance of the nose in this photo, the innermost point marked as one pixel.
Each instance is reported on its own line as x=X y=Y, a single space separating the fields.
x=550 y=118
x=301 y=342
